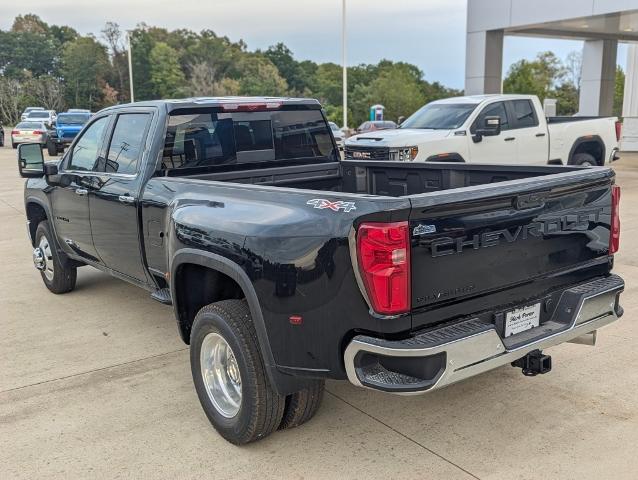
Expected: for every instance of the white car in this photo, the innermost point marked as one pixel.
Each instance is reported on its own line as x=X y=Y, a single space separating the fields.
x=29 y=110
x=500 y=129
x=46 y=116
x=340 y=137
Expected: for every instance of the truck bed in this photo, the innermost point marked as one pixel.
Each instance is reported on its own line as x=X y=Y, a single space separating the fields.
x=391 y=179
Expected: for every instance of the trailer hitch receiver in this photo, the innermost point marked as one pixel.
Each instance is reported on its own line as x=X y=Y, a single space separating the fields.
x=534 y=363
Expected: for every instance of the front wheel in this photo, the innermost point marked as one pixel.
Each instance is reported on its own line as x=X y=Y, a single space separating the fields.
x=58 y=277
x=229 y=373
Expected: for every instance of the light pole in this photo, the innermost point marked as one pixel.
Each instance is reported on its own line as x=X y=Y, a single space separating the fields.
x=343 y=61
x=130 y=65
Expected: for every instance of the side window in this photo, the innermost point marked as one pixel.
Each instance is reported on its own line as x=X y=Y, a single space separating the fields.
x=87 y=147
x=494 y=110
x=127 y=143
x=525 y=115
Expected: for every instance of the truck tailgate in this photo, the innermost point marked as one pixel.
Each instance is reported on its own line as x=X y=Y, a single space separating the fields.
x=478 y=240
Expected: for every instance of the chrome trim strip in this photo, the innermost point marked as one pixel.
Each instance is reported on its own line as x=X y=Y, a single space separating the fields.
x=479 y=353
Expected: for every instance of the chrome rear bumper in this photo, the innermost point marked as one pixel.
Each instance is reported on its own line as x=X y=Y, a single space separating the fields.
x=457 y=351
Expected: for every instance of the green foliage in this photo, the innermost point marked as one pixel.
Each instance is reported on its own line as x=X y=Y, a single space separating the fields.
x=44 y=59
x=619 y=92
x=536 y=77
x=258 y=76
x=566 y=96
x=167 y=77
x=84 y=64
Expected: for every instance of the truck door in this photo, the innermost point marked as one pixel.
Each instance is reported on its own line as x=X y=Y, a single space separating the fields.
x=70 y=200
x=532 y=142
x=113 y=203
x=497 y=149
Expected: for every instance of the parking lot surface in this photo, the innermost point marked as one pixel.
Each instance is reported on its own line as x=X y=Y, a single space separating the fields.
x=96 y=384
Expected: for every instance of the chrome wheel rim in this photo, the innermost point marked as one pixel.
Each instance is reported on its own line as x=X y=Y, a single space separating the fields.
x=220 y=374
x=46 y=259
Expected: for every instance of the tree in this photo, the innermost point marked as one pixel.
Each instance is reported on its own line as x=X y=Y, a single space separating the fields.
x=47 y=92
x=141 y=45
x=398 y=89
x=574 y=68
x=258 y=76
x=167 y=77
x=118 y=59
x=619 y=92
x=203 y=82
x=10 y=101
x=288 y=67
x=84 y=65
x=25 y=54
x=535 y=77
x=30 y=23
x=566 y=96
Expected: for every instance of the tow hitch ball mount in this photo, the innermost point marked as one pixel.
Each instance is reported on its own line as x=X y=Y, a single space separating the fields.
x=534 y=363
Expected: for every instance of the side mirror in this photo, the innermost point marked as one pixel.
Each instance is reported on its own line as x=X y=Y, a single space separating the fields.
x=30 y=160
x=491 y=127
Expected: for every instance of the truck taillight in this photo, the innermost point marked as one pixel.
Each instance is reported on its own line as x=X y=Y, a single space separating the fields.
x=383 y=255
x=614 y=230
x=618 y=130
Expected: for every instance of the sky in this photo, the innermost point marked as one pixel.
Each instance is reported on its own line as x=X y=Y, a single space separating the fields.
x=428 y=33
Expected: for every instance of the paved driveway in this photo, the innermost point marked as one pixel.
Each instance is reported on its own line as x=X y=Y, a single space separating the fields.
x=96 y=384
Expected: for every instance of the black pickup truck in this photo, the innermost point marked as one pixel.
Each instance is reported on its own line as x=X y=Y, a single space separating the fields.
x=286 y=266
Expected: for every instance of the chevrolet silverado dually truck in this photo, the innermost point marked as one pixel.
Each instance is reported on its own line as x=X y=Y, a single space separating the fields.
x=449 y=130
x=286 y=266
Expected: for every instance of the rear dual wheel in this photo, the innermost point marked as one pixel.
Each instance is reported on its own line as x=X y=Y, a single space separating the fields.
x=231 y=380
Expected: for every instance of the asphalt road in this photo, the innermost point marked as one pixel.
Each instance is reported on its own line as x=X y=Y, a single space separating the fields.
x=96 y=384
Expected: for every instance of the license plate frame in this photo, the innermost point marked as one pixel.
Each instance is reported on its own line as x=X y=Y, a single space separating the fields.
x=521 y=319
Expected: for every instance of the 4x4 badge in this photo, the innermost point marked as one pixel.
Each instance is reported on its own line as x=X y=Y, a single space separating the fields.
x=322 y=203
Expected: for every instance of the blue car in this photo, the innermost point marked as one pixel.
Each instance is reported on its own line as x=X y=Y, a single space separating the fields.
x=66 y=127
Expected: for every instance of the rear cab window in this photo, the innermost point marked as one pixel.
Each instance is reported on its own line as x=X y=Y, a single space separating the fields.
x=210 y=139
x=524 y=114
x=127 y=143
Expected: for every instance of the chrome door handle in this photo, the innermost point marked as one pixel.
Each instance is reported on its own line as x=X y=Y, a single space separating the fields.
x=81 y=191
x=126 y=199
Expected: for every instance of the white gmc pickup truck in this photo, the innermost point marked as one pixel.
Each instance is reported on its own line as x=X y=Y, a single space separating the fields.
x=491 y=129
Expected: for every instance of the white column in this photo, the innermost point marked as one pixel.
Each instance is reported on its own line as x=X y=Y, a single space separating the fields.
x=629 y=141
x=598 y=78
x=484 y=62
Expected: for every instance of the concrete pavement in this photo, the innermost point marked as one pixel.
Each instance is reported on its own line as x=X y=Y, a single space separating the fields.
x=96 y=384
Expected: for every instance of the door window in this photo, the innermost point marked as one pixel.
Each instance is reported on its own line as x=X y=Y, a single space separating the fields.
x=494 y=110
x=87 y=147
x=127 y=143
x=524 y=112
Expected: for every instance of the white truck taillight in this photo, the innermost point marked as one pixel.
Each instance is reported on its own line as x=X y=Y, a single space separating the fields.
x=383 y=255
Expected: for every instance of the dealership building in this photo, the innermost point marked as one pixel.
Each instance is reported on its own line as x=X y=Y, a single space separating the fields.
x=600 y=24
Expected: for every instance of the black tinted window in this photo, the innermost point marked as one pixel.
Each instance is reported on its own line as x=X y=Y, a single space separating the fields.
x=127 y=143
x=525 y=116
x=205 y=138
x=87 y=147
x=495 y=110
